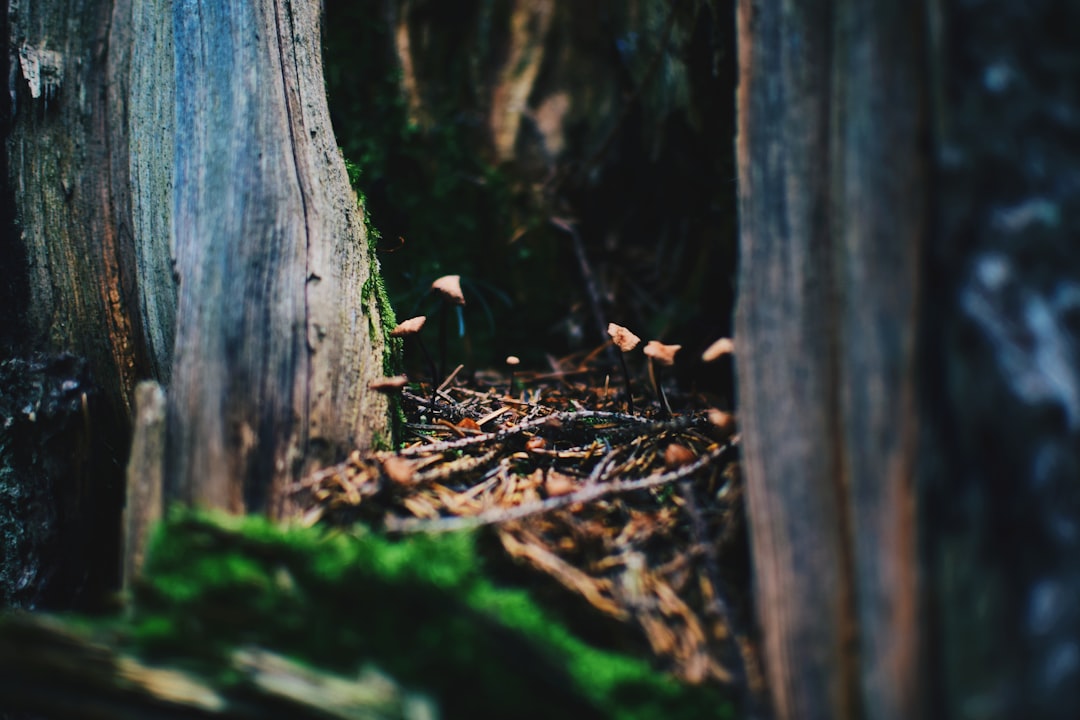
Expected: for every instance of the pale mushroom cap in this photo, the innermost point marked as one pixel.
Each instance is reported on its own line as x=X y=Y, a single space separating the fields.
x=409 y=327
x=661 y=353
x=723 y=346
x=389 y=384
x=513 y=360
x=449 y=286
x=623 y=338
x=723 y=421
x=676 y=455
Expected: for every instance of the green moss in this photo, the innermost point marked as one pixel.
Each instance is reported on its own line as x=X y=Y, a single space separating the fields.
x=421 y=609
x=374 y=289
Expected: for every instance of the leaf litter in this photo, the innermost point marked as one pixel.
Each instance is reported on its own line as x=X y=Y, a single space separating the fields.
x=640 y=515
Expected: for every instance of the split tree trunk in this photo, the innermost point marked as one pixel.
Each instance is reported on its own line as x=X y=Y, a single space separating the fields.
x=907 y=355
x=182 y=213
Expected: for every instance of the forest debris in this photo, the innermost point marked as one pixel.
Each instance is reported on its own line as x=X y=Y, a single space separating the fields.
x=520 y=543
x=631 y=512
x=676 y=455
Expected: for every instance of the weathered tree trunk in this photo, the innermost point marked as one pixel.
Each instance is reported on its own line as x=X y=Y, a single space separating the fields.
x=908 y=363
x=70 y=243
x=182 y=213
x=832 y=220
x=278 y=326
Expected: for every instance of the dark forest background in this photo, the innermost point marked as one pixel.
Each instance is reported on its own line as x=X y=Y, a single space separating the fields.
x=627 y=136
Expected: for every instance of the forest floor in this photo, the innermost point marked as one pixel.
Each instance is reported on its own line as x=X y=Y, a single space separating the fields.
x=625 y=526
x=630 y=523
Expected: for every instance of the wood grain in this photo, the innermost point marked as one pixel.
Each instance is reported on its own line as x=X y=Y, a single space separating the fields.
x=276 y=339
x=832 y=223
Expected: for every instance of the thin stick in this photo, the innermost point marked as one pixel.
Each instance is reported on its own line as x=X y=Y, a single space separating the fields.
x=591 y=289
x=504 y=433
x=586 y=494
x=449 y=379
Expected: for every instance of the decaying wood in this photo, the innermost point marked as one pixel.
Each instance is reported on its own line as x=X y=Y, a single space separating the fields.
x=278 y=329
x=184 y=215
x=145 y=481
x=832 y=216
x=528 y=28
x=141 y=69
x=67 y=165
x=53 y=672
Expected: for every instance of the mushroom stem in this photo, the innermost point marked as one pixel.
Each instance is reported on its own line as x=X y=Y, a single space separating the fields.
x=448 y=288
x=656 y=375
x=660 y=354
x=431 y=368
x=626 y=379
x=625 y=341
x=512 y=361
x=442 y=344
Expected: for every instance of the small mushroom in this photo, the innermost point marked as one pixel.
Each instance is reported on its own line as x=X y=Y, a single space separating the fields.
x=660 y=355
x=625 y=341
x=448 y=288
x=512 y=362
x=411 y=328
x=677 y=455
x=723 y=422
x=622 y=337
x=723 y=346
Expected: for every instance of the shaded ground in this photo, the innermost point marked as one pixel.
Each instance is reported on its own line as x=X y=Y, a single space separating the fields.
x=631 y=522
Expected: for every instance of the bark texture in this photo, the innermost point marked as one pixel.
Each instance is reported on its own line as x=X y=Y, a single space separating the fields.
x=68 y=257
x=68 y=176
x=182 y=213
x=832 y=221
x=278 y=325
x=908 y=355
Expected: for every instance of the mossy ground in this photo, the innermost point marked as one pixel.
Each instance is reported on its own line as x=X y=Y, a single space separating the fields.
x=420 y=609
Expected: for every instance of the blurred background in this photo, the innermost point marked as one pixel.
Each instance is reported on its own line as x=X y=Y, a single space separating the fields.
x=573 y=162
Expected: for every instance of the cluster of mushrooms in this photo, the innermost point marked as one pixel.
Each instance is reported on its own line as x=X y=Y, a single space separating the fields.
x=448 y=288
x=660 y=356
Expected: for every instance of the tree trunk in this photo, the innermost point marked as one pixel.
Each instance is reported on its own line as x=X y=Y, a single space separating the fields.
x=907 y=363
x=832 y=220
x=279 y=330
x=182 y=213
